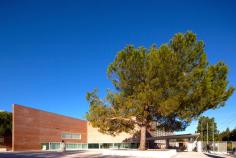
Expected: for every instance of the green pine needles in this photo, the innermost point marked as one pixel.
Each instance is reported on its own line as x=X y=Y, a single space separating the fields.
x=172 y=85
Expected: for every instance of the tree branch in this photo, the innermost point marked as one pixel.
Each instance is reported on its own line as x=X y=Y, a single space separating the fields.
x=125 y=119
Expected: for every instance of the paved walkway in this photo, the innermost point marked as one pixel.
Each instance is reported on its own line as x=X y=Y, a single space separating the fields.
x=91 y=154
x=41 y=154
x=197 y=155
x=190 y=155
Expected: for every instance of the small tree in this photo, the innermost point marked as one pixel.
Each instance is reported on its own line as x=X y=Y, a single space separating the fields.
x=171 y=84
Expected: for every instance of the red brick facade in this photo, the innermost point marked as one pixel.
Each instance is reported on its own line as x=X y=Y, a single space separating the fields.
x=31 y=127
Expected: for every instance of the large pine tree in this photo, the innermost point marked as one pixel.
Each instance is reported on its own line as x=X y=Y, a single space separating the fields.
x=171 y=84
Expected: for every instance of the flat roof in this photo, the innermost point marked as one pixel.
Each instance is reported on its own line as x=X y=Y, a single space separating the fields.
x=182 y=136
x=23 y=106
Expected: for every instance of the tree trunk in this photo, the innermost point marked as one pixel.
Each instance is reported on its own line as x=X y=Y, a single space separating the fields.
x=142 y=145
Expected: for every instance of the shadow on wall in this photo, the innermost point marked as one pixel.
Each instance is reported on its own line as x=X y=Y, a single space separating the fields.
x=136 y=139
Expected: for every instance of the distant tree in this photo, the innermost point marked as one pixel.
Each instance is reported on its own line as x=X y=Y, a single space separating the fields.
x=172 y=85
x=228 y=135
x=233 y=135
x=5 y=123
x=203 y=122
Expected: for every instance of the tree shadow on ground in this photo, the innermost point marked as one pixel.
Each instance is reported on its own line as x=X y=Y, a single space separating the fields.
x=214 y=156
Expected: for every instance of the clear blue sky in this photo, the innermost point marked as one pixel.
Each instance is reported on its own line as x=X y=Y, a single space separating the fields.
x=53 y=52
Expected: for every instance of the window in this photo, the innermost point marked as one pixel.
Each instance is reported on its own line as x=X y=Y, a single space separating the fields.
x=70 y=136
x=93 y=146
x=54 y=146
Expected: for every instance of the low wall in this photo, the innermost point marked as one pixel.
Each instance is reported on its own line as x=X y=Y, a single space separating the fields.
x=144 y=154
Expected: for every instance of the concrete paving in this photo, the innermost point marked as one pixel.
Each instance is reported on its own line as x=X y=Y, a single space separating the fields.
x=190 y=155
x=198 y=155
x=42 y=154
x=93 y=154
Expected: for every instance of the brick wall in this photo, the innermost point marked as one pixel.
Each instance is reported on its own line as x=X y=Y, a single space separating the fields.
x=31 y=127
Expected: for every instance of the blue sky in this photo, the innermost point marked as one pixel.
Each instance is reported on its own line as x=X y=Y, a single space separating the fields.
x=53 y=52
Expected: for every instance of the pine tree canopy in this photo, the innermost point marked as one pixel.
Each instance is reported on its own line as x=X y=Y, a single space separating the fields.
x=171 y=84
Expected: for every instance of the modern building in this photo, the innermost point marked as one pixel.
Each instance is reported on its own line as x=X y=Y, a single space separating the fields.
x=36 y=129
x=40 y=130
